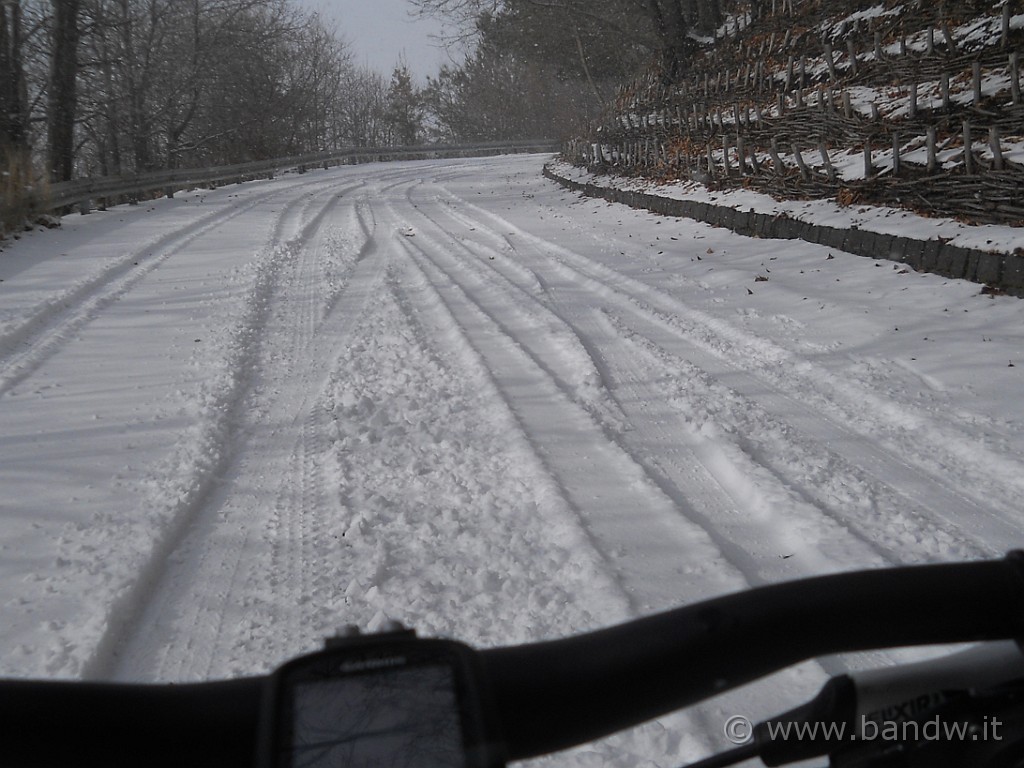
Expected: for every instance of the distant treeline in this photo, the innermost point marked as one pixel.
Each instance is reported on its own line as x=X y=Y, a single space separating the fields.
x=105 y=87
x=113 y=86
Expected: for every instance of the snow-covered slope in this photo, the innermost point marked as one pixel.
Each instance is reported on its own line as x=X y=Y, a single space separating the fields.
x=454 y=394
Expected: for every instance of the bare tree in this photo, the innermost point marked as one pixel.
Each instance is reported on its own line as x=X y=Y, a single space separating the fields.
x=364 y=106
x=15 y=163
x=13 y=93
x=500 y=94
x=63 y=83
x=588 y=26
x=404 y=111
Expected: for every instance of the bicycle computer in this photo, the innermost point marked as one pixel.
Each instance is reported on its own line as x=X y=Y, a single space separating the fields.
x=380 y=701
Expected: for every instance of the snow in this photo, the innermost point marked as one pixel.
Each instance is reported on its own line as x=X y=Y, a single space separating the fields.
x=827 y=212
x=454 y=394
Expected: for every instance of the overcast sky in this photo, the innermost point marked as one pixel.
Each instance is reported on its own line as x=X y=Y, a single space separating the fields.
x=380 y=31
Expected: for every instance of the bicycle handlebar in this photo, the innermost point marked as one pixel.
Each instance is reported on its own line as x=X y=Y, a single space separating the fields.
x=557 y=694
x=562 y=693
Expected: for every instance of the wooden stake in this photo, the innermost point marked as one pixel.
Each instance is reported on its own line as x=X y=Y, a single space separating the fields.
x=830 y=62
x=826 y=161
x=753 y=159
x=950 y=42
x=996 y=147
x=804 y=171
x=1015 y=76
x=777 y=165
x=968 y=157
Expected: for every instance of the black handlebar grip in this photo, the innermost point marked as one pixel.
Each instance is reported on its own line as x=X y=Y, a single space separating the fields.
x=101 y=725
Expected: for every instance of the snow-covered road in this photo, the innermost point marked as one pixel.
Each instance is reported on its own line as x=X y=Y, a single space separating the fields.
x=456 y=395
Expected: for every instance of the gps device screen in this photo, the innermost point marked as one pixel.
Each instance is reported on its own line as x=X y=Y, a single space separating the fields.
x=390 y=701
x=406 y=717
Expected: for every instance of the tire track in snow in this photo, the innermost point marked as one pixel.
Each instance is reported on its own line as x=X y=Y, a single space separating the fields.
x=245 y=564
x=600 y=482
x=449 y=504
x=707 y=497
x=940 y=416
x=846 y=397
x=776 y=435
x=717 y=343
x=730 y=470
x=673 y=737
x=567 y=355
x=731 y=478
x=477 y=279
x=180 y=489
x=744 y=527
x=743 y=519
x=27 y=344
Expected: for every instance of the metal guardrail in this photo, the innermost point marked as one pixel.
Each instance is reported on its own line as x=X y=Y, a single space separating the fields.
x=83 y=192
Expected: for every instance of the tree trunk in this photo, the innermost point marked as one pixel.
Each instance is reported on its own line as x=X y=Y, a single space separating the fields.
x=63 y=76
x=13 y=101
x=583 y=60
x=672 y=28
x=709 y=15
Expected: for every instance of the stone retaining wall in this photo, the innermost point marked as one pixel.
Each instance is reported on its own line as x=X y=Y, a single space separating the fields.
x=1000 y=270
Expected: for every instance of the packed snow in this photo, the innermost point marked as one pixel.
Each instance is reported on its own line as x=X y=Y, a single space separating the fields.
x=453 y=394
